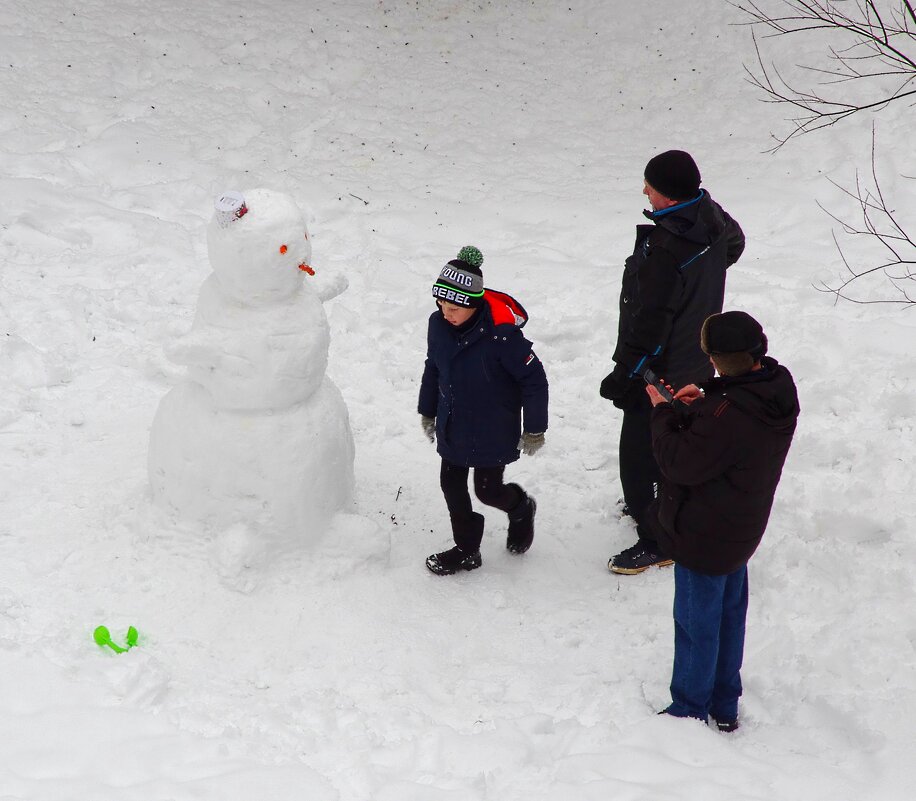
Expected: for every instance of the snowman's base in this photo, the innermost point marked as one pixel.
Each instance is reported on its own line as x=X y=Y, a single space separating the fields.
x=282 y=473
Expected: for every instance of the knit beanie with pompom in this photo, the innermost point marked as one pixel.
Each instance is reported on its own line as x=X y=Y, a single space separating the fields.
x=461 y=281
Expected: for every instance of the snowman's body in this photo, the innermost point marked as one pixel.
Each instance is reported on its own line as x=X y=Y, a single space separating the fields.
x=256 y=357
x=257 y=434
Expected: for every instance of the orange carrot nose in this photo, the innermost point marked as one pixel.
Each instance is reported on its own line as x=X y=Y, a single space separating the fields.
x=306 y=269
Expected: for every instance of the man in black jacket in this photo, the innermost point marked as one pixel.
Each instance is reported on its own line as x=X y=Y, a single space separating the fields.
x=673 y=281
x=720 y=460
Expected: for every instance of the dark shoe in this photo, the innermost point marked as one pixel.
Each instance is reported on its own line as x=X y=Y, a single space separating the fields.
x=636 y=559
x=726 y=725
x=453 y=560
x=521 y=524
x=670 y=711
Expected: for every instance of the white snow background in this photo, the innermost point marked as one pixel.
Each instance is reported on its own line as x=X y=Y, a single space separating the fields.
x=406 y=130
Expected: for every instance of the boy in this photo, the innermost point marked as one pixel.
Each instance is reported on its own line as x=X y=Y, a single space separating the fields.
x=480 y=380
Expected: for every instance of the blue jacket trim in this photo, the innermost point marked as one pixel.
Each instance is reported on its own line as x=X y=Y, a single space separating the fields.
x=638 y=369
x=670 y=209
x=692 y=259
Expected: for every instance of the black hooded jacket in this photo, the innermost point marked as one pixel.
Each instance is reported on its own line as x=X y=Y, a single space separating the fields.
x=721 y=461
x=673 y=281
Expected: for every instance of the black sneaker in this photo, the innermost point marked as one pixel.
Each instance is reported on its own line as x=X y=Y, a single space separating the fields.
x=725 y=725
x=636 y=559
x=453 y=560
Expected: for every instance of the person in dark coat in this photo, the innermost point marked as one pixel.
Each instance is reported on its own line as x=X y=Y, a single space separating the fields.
x=673 y=281
x=721 y=459
x=481 y=382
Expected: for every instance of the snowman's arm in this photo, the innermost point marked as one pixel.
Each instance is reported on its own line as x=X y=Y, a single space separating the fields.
x=197 y=349
x=220 y=349
x=192 y=350
x=326 y=289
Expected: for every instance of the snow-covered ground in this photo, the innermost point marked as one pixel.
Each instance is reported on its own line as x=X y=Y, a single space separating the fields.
x=348 y=671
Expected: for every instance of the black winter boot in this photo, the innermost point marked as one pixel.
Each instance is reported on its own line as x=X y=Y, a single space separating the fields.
x=453 y=560
x=467 y=534
x=521 y=523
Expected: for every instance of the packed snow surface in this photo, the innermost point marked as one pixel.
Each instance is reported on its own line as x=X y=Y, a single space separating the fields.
x=339 y=668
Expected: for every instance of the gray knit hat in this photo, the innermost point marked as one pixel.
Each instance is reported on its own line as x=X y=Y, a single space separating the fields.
x=461 y=281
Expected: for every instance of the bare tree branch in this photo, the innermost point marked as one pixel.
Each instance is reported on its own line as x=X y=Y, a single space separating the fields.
x=880 y=224
x=871 y=46
x=867 y=62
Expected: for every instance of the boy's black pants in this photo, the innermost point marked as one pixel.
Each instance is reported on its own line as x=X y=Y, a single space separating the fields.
x=467 y=525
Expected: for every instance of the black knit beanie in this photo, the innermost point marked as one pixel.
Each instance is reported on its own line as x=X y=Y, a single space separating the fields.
x=674 y=174
x=461 y=281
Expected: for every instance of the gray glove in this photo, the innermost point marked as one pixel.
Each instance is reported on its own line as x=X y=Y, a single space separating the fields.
x=429 y=427
x=530 y=444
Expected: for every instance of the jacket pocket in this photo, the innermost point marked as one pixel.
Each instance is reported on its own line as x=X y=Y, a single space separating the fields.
x=670 y=500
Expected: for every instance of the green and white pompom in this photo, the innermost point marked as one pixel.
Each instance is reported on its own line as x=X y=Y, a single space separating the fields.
x=471 y=255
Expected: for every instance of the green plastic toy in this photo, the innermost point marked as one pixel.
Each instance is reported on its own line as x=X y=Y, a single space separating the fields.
x=103 y=637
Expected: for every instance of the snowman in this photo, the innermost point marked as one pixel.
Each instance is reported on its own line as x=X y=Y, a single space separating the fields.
x=256 y=438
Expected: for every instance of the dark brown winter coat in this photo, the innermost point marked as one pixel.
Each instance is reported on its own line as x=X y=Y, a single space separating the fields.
x=721 y=461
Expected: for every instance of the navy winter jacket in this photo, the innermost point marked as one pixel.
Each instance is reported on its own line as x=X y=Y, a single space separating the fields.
x=478 y=383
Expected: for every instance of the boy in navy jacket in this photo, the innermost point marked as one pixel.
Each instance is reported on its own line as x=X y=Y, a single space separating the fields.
x=482 y=381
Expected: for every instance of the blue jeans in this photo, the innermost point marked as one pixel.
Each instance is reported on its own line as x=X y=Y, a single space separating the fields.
x=709 y=619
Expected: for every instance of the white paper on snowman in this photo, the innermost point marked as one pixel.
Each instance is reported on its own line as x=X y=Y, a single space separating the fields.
x=257 y=434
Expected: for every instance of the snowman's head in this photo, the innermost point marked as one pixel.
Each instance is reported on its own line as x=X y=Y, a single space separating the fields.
x=258 y=256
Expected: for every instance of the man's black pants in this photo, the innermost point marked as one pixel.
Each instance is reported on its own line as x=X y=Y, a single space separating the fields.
x=639 y=473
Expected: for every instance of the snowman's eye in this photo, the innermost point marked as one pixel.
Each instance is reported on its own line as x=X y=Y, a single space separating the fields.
x=283 y=248
x=306 y=236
